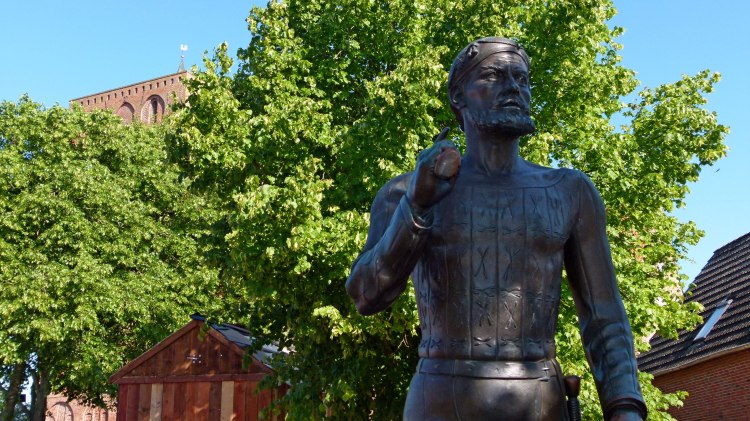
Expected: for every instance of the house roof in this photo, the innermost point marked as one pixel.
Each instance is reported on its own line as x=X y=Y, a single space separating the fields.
x=725 y=277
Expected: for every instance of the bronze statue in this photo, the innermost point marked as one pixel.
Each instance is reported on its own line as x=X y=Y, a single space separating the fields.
x=485 y=237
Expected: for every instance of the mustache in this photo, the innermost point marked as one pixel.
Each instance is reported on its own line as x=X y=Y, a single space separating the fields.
x=510 y=102
x=507 y=121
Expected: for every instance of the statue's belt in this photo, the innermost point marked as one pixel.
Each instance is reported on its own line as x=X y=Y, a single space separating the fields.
x=541 y=370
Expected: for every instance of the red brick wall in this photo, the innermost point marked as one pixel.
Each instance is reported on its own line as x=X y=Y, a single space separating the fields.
x=133 y=102
x=59 y=409
x=719 y=388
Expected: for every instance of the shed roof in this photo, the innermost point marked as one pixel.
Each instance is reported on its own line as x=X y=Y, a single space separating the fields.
x=725 y=277
x=241 y=337
x=207 y=353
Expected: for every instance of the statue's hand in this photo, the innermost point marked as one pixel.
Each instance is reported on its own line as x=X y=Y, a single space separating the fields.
x=435 y=174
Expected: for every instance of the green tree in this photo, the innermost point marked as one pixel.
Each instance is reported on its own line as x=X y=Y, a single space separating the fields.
x=333 y=99
x=99 y=257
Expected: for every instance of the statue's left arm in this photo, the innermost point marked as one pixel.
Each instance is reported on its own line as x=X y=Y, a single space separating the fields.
x=607 y=337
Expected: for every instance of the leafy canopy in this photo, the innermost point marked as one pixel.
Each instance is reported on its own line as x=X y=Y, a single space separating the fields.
x=99 y=258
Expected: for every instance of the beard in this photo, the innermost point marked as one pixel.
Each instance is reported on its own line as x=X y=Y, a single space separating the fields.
x=505 y=121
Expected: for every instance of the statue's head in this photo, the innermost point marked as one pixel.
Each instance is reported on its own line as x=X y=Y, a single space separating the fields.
x=488 y=84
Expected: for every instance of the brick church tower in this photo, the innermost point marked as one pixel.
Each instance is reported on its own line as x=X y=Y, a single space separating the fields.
x=146 y=101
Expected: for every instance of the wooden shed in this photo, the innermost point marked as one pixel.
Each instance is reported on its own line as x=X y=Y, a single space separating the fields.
x=197 y=373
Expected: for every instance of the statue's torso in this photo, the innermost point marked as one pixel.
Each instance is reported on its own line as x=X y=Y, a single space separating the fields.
x=488 y=284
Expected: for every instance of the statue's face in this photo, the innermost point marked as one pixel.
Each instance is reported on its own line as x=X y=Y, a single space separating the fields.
x=497 y=96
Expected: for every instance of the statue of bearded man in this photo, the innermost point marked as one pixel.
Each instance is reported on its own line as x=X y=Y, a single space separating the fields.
x=485 y=237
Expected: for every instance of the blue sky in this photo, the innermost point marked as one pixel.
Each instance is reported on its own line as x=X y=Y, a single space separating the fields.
x=56 y=51
x=667 y=38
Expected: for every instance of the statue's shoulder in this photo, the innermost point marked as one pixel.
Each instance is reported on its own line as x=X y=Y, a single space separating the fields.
x=574 y=181
x=548 y=176
x=394 y=189
x=388 y=197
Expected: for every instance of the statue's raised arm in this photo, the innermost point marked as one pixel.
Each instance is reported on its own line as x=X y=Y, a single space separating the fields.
x=400 y=221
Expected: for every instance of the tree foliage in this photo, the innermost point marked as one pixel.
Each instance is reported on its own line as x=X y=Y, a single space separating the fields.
x=99 y=257
x=332 y=99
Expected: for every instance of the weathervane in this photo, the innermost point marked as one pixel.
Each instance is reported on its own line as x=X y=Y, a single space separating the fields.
x=183 y=48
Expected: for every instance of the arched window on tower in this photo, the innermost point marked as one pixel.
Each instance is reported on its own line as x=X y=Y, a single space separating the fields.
x=126 y=112
x=153 y=110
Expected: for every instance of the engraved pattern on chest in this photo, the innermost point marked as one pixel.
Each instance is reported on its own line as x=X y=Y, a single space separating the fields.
x=512 y=221
x=538 y=213
x=437 y=299
x=512 y=254
x=457 y=285
x=496 y=256
x=483 y=299
x=548 y=218
x=510 y=303
x=542 y=307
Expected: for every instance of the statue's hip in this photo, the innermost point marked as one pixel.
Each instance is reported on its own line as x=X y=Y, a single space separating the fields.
x=447 y=389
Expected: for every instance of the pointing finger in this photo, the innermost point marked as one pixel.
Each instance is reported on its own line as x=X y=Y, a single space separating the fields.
x=443 y=134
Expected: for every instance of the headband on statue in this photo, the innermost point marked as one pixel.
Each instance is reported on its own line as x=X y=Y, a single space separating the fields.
x=477 y=51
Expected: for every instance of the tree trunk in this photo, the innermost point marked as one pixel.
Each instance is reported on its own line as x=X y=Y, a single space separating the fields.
x=39 y=395
x=14 y=391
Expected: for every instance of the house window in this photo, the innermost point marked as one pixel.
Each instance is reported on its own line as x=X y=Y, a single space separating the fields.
x=715 y=316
